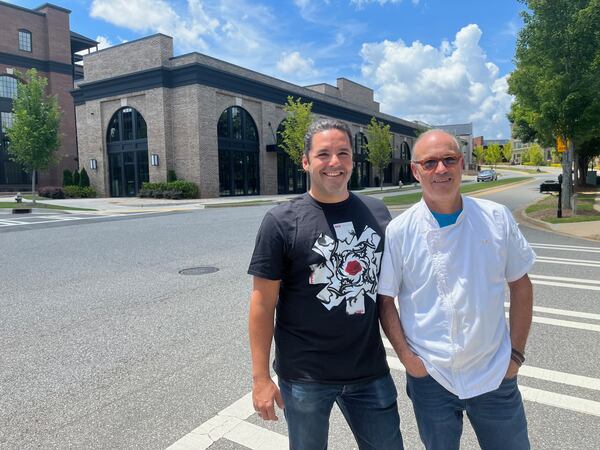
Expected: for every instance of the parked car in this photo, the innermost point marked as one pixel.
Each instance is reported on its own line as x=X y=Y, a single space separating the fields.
x=487 y=175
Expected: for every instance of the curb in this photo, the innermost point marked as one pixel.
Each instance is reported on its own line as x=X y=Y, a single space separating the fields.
x=521 y=216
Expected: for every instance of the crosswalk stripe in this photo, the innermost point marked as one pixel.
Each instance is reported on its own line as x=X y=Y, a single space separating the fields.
x=539 y=396
x=567 y=285
x=564 y=247
x=567 y=262
x=563 y=312
x=566 y=323
x=528 y=371
x=573 y=280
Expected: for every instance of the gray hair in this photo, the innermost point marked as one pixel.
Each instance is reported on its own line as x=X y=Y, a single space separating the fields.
x=320 y=125
x=422 y=136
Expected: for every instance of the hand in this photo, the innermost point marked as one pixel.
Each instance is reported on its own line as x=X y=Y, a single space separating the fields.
x=413 y=364
x=513 y=370
x=264 y=395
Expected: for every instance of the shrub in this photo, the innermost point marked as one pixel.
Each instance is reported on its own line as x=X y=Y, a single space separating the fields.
x=67 y=177
x=79 y=192
x=174 y=190
x=84 y=179
x=171 y=176
x=55 y=192
x=75 y=178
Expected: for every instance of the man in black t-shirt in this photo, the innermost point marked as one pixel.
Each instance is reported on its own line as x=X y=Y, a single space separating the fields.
x=316 y=263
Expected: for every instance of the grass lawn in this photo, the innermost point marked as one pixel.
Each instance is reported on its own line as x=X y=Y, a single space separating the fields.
x=467 y=189
x=545 y=210
x=40 y=205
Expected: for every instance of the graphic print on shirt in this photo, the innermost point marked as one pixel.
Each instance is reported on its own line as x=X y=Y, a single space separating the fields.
x=350 y=267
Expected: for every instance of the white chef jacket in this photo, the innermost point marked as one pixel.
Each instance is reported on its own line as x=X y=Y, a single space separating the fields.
x=450 y=284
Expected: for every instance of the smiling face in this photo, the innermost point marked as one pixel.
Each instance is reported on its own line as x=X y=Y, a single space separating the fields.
x=329 y=164
x=441 y=185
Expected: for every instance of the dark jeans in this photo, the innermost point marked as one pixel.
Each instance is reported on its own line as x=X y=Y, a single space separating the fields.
x=370 y=409
x=498 y=417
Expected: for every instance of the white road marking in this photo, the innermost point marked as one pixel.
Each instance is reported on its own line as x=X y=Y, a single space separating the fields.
x=574 y=248
x=567 y=285
x=567 y=262
x=528 y=371
x=573 y=280
x=562 y=401
x=230 y=424
x=540 y=396
x=55 y=219
x=566 y=323
x=563 y=312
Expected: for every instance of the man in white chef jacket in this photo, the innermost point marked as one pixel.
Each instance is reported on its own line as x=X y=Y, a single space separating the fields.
x=448 y=260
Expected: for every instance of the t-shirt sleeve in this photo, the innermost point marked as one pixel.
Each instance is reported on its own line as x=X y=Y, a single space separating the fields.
x=267 y=258
x=390 y=275
x=520 y=255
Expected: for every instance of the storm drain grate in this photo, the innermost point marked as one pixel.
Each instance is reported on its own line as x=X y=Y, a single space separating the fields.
x=198 y=270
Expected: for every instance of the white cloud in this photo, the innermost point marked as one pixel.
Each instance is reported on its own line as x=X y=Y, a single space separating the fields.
x=103 y=42
x=295 y=65
x=454 y=83
x=159 y=16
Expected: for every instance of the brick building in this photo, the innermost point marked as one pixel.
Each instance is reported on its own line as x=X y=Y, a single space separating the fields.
x=142 y=112
x=39 y=38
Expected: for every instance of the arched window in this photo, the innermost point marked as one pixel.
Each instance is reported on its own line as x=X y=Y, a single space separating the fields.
x=238 y=153
x=127 y=145
x=8 y=86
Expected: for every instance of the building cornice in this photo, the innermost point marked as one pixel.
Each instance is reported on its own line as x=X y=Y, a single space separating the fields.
x=197 y=73
x=41 y=65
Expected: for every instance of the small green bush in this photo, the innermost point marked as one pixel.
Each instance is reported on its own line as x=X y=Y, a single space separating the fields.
x=171 y=175
x=67 y=177
x=79 y=192
x=84 y=179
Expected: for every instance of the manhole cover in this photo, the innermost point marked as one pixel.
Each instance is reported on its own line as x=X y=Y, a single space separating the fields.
x=199 y=270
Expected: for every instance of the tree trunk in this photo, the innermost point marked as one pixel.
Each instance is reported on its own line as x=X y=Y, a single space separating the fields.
x=577 y=181
x=381 y=179
x=567 y=185
x=33 y=185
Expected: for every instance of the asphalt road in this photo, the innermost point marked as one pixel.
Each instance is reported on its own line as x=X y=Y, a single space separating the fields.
x=105 y=345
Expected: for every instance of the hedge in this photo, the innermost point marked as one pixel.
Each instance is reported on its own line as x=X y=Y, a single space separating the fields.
x=174 y=190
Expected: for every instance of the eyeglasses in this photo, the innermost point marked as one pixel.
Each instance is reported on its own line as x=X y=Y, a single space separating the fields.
x=430 y=164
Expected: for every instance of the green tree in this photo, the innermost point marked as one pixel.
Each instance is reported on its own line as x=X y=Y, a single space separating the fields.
x=479 y=153
x=555 y=83
x=536 y=155
x=67 y=177
x=76 y=178
x=296 y=123
x=507 y=152
x=84 y=179
x=493 y=154
x=379 y=146
x=34 y=135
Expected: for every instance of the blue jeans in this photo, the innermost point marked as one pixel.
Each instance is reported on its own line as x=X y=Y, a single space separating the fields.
x=370 y=409
x=498 y=417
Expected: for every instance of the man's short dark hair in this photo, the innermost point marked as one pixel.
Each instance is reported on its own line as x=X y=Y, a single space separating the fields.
x=323 y=125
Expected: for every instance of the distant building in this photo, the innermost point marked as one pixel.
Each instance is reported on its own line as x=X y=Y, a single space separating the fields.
x=39 y=38
x=141 y=112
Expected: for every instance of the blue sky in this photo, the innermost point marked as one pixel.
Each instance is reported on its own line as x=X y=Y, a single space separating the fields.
x=438 y=61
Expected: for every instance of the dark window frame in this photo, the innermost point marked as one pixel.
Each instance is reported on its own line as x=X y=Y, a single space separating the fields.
x=25 y=37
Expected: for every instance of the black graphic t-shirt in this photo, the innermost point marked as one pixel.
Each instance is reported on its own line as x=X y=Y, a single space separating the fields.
x=327 y=257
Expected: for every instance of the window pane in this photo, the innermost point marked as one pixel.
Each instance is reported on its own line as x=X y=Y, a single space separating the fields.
x=222 y=128
x=127 y=124
x=6 y=119
x=113 y=129
x=8 y=87
x=236 y=123
x=25 y=41
x=141 y=131
x=251 y=134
